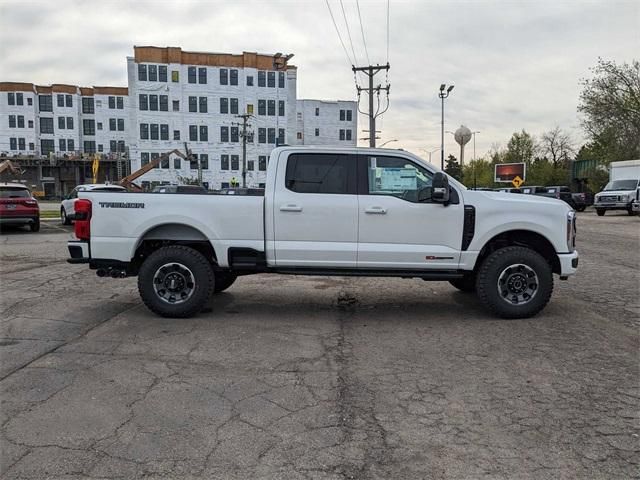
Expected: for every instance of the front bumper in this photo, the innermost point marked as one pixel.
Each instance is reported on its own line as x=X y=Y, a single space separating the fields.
x=612 y=205
x=568 y=263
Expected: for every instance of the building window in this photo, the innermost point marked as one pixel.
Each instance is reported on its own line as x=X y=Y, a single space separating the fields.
x=249 y=80
x=250 y=165
x=317 y=132
x=317 y=111
x=13 y=143
x=177 y=164
x=46 y=125
x=224 y=134
x=164 y=103
x=235 y=134
x=100 y=147
x=176 y=105
x=271 y=134
x=120 y=103
x=30 y=123
x=341 y=134
x=176 y=134
x=154 y=131
x=281 y=108
x=12 y=121
x=30 y=102
x=19 y=101
x=299 y=135
x=250 y=108
x=193 y=162
x=204 y=161
x=87 y=105
x=98 y=103
x=348 y=134
x=112 y=102
x=144 y=131
x=193 y=133
x=47 y=147
x=271 y=79
x=45 y=103
x=153 y=103
x=99 y=125
x=164 y=131
x=281 y=136
x=175 y=76
x=224 y=76
x=349 y=115
x=69 y=123
x=153 y=73
x=162 y=73
x=271 y=108
x=89 y=146
x=204 y=133
x=113 y=146
x=233 y=77
x=32 y=146
x=262 y=79
x=224 y=162
x=262 y=107
x=144 y=158
x=202 y=75
x=11 y=100
x=203 y=104
x=70 y=145
x=88 y=127
x=262 y=163
x=60 y=99
x=20 y=121
x=234 y=105
x=280 y=79
x=224 y=105
x=262 y=135
x=68 y=100
x=121 y=147
x=21 y=144
x=342 y=115
x=62 y=145
x=235 y=162
x=142 y=72
x=143 y=102
x=191 y=74
x=193 y=104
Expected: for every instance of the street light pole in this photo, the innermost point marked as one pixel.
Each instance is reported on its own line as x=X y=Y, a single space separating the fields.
x=388 y=141
x=442 y=94
x=475 y=182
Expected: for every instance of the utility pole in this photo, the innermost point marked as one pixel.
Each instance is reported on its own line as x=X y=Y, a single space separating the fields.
x=442 y=94
x=245 y=118
x=370 y=71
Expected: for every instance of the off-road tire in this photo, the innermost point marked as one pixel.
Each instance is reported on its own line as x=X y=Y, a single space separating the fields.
x=35 y=226
x=203 y=275
x=223 y=281
x=465 y=284
x=600 y=211
x=64 y=219
x=495 y=264
x=630 y=211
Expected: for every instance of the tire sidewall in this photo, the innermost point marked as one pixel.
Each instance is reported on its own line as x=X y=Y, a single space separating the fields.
x=194 y=261
x=492 y=268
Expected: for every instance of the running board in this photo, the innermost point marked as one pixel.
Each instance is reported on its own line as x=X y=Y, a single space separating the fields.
x=436 y=275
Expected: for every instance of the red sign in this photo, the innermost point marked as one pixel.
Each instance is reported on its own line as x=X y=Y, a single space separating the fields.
x=506 y=172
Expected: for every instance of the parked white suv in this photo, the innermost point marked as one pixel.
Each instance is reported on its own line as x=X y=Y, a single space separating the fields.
x=332 y=211
x=67 y=206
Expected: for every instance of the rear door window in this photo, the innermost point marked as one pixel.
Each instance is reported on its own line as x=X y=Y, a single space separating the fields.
x=326 y=173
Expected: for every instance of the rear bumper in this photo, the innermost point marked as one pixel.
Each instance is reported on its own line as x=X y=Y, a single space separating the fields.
x=78 y=251
x=568 y=263
x=19 y=220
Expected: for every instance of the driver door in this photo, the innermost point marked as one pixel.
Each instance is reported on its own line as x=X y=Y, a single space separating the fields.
x=395 y=229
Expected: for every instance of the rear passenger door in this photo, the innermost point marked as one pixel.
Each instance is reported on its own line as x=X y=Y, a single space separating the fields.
x=315 y=211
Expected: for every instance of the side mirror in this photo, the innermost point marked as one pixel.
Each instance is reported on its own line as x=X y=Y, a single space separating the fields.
x=440 y=186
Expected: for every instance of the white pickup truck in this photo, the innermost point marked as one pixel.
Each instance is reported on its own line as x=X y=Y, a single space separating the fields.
x=332 y=211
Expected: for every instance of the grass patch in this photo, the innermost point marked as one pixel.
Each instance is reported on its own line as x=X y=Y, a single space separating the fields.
x=49 y=214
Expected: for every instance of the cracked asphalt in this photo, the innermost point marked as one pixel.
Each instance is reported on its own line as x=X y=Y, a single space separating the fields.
x=319 y=377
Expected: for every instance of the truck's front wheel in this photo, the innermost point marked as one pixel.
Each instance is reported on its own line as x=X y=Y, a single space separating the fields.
x=515 y=282
x=175 y=281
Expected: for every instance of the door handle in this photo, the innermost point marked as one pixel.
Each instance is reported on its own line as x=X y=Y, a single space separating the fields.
x=290 y=208
x=378 y=210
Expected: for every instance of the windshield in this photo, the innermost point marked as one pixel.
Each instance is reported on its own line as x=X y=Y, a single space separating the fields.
x=621 y=185
x=10 y=192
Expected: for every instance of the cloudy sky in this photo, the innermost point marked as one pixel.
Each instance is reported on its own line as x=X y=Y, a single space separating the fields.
x=515 y=64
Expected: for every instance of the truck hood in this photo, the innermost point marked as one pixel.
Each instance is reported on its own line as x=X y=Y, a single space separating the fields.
x=519 y=199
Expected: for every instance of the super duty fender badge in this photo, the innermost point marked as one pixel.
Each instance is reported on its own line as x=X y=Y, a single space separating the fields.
x=121 y=204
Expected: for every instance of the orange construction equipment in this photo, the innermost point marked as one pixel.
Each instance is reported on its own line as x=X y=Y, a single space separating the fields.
x=127 y=181
x=8 y=165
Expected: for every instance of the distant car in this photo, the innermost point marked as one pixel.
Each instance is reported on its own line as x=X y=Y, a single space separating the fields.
x=67 y=210
x=192 y=189
x=256 y=192
x=562 y=192
x=18 y=206
x=533 y=190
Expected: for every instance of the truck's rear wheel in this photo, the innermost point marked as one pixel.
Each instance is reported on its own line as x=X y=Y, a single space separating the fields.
x=465 y=284
x=175 y=281
x=515 y=282
x=223 y=281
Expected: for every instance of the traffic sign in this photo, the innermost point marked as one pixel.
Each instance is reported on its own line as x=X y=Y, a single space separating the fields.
x=517 y=181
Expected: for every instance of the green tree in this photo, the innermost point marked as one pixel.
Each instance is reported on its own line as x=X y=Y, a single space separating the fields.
x=452 y=167
x=610 y=108
x=521 y=148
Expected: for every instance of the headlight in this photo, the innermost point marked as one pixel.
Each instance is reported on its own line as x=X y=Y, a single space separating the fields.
x=571 y=231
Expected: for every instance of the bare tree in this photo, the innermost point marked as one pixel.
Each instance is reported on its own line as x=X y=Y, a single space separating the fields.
x=557 y=146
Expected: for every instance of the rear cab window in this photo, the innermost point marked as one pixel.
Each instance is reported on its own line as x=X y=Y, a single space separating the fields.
x=325 y=173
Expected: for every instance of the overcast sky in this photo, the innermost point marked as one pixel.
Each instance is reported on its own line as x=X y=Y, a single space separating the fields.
x=515 y=64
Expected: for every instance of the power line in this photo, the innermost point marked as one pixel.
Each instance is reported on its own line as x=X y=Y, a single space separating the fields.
x=355 y=58
x=366 y=51
x=387 y=31
x=338 y=32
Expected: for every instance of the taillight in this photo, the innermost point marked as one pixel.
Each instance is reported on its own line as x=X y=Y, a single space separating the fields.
x=31 y=202
x=82 y=218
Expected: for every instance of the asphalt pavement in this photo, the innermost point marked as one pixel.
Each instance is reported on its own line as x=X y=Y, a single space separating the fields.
x=318 y=377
